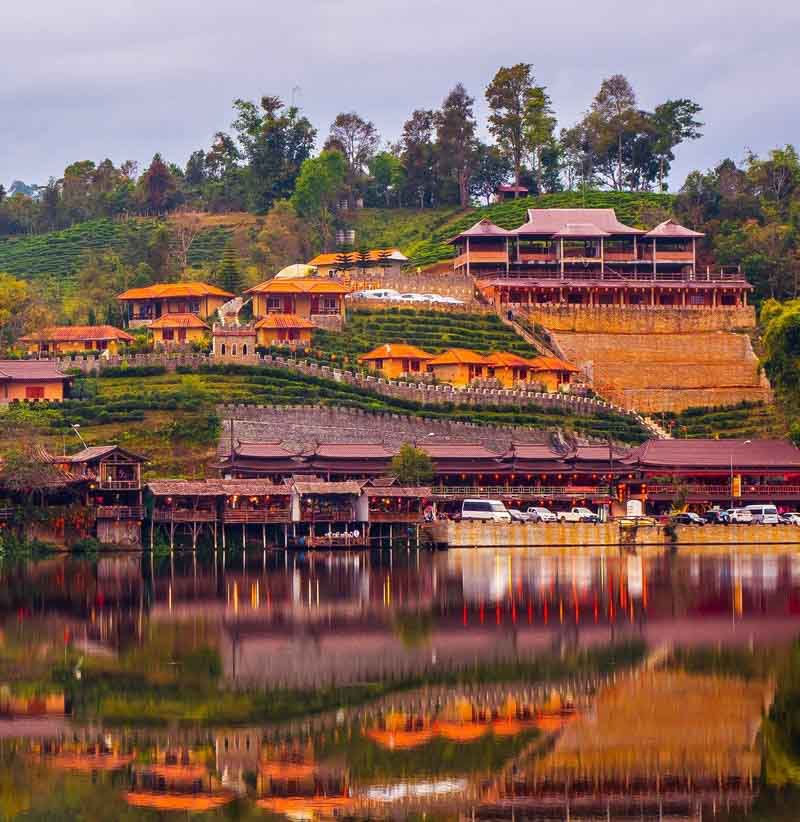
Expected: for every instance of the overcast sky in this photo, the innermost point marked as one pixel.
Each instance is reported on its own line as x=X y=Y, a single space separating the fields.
x=89 y=79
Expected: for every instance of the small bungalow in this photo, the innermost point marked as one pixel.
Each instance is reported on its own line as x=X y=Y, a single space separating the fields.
x=178 y=329
x=144 y=305
x=552 y=372
x=509 y=192
x=72 y=339
x=396 y=359
x=510 y=370
x=458 y=366
x=283 y=329
x=318 y=299
x=377 y=261
x=31 y=380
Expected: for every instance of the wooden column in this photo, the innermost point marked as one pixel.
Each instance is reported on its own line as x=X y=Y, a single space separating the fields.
x=468 y=256
x=654 y=256
x=602 y=257
x=508 y=258
x=562 y=258
x=694 y=255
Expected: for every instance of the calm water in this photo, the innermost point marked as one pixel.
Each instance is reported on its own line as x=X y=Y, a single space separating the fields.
x=395 y=684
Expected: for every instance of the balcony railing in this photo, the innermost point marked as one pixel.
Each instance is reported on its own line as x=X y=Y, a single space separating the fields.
x=109 y=484
x=519 y=492
x=119 y=512
x=395 y=516
x=761 y=492
x=329 y=515
x=481 y=257
x=184 y=515
x=246 y=517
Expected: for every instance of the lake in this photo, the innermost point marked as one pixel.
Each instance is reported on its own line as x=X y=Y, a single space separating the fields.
x=463 y=684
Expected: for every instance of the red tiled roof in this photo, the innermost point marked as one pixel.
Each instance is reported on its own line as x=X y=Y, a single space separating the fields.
x=165 y=290
x=178 y=321
x=77 y=333
x=696 y=453
x=671 y=229
x=459 y=356
x=301 y=285
x=547 y=221
x=284 y=321
x=552 y=364
x=394 y=351
x=38 y=370
x=503 y=359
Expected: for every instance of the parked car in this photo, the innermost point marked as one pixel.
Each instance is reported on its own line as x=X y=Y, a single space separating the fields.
x=764 y=514
x=378 y=294
x=577 y=515
x=518 y=516
x=539 y=514
x=740 y=516
x=790 y=518
x=716 y=516
x=687 y=518
x=491 y=510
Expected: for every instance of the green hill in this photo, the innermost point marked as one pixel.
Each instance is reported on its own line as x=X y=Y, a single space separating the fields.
x=422 y=235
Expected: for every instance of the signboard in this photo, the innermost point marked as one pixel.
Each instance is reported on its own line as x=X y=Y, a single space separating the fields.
x=737 y=486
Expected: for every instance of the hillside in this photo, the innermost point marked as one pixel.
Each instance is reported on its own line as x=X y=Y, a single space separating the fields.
x=422 y=235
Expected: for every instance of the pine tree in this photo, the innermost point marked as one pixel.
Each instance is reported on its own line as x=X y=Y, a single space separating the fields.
x=229 y=274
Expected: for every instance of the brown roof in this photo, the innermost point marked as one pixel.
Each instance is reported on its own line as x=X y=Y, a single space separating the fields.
x=671 y=229
x=580 y=230
x=349 y=487
x=503 y=359
x=696 y=453
x=284 y=321
x=178 y=321
x=535 y=451
x=459 y=356
x=598 y=453
x=95 y=452
x=77 y=333
x=547 y=221
x=38 y=370
x=164 y=290
x=483 y=228
x=353 y=450
x=393 y=351
x=458 y=450
x=552 y=364
x=216 y=488
x=400 y=491
x=267 y=449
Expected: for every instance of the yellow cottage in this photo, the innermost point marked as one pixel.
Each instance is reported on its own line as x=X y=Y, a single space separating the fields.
x=178 y=329
x=552 y=372
x=31 y=380
x=459 y=367
x=510 y=370
x=283 y=329
x=144 y=305
x=70 y=339
x=395 y=359
x=312 y=298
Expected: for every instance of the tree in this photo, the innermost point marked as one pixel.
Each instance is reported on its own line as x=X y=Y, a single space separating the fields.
x=363 y=259
x=508 y=96
x=673 y=121
x=538 y=129
x=157 y=185
x=185 y=228
x=388 y=179
x=344 y=261
x=101 y=276
x=418 y=154
x=276 y=140
x=455 y=137
x=320 y=181
x=776 y=179
x=196 y=168
x=282 y=240
x=22 y=309
x=491 y=170
x=25 y=471
x=358 y=138
x=412 y=466
x=229 y=273
x=612 y=115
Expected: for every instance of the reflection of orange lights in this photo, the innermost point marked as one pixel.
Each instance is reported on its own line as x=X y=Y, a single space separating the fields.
x=304 y=806
x=178 y=801
x=89 y=762
x=460 y=731
x=287 y=770
x=178 y=772
x=550 y=723
x=506 y=727
x=400 y=740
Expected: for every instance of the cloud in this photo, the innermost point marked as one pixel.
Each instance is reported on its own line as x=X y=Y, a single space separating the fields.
x=91 y=79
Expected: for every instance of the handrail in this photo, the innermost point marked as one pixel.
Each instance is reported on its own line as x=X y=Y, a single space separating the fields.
x=515 y=492
x=120 y=512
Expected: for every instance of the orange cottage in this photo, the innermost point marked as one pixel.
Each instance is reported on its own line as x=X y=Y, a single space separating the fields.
x=178 y=329
x=283 y=329
x=318 y=299
x=70 y=339
x=31 y=380
x=396 y=359
x=144 y=305
x=552 y=372
x=459 y=367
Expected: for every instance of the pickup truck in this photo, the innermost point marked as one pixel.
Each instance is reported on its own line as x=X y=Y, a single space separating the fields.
x=577 y=515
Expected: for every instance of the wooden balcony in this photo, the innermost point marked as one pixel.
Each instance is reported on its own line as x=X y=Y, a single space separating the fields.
x=766 y=493
x=250 y=517
x=395 y=516
x=673 y=256
x=473 y=257
x=538 y=257
x=184 y=515
x=120 y=512
x=329 y=515
x=108 y=484
x=531 y=492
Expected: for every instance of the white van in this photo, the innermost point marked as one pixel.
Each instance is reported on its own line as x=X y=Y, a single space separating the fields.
x=764 y=514
x=491 y=510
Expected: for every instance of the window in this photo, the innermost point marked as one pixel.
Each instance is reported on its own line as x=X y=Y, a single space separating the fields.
x=34 y=392
x=168 y=334
x=222 y=349
x=233 y=350
x=274 y=305
x=244 y=350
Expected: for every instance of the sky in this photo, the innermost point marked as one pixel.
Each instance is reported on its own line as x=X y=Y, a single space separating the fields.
x=90 y=79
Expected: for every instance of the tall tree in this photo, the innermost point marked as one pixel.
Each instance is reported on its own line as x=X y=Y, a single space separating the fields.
x=539 y=127
x=229 y=273
x=508 y=95
x=412 y=466
x=320 y=181
x=674 y=121
x=388 y=179
x=418 y=154
x=492 y=169
x=282 y=240
x=455 y=137
x=358 y=139
x=157 y=185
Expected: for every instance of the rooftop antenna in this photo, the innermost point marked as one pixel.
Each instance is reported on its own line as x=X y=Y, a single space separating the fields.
x=75 y=426
x=295 y=91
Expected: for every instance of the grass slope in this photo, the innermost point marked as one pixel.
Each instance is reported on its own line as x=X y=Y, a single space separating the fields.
x=747 y=419
x=433 y=331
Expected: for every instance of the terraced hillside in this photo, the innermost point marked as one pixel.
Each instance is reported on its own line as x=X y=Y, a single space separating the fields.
x=431 y=330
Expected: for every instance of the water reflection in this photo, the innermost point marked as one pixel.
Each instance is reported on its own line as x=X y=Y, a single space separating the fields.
x=494 y=684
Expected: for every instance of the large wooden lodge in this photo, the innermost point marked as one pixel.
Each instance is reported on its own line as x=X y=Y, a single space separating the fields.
x=586 y=256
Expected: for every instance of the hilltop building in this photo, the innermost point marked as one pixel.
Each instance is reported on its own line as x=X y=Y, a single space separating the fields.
x=144 y=305
x=317 y=299
x=378 y=261
x=71 y=339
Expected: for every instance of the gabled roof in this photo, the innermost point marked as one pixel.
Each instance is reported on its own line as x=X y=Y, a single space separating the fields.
x=535 y=451
x=552 y=364
x=395 y=351
x=459 y=356
x=458 y=450
x=373 y=256
x=178 y=321
x=77 y=333
x=705 y=453
x=483 y=228
x=165 y=290
x=547 y=221
x=504 y=359
x=353 y=450
x=413 y=491
x=671 y=229
x=347 y=487
x=96 y=452
x=284 y=321
x=216 y=488
x=302 y=285
x=38 y=370
x=581 y=230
